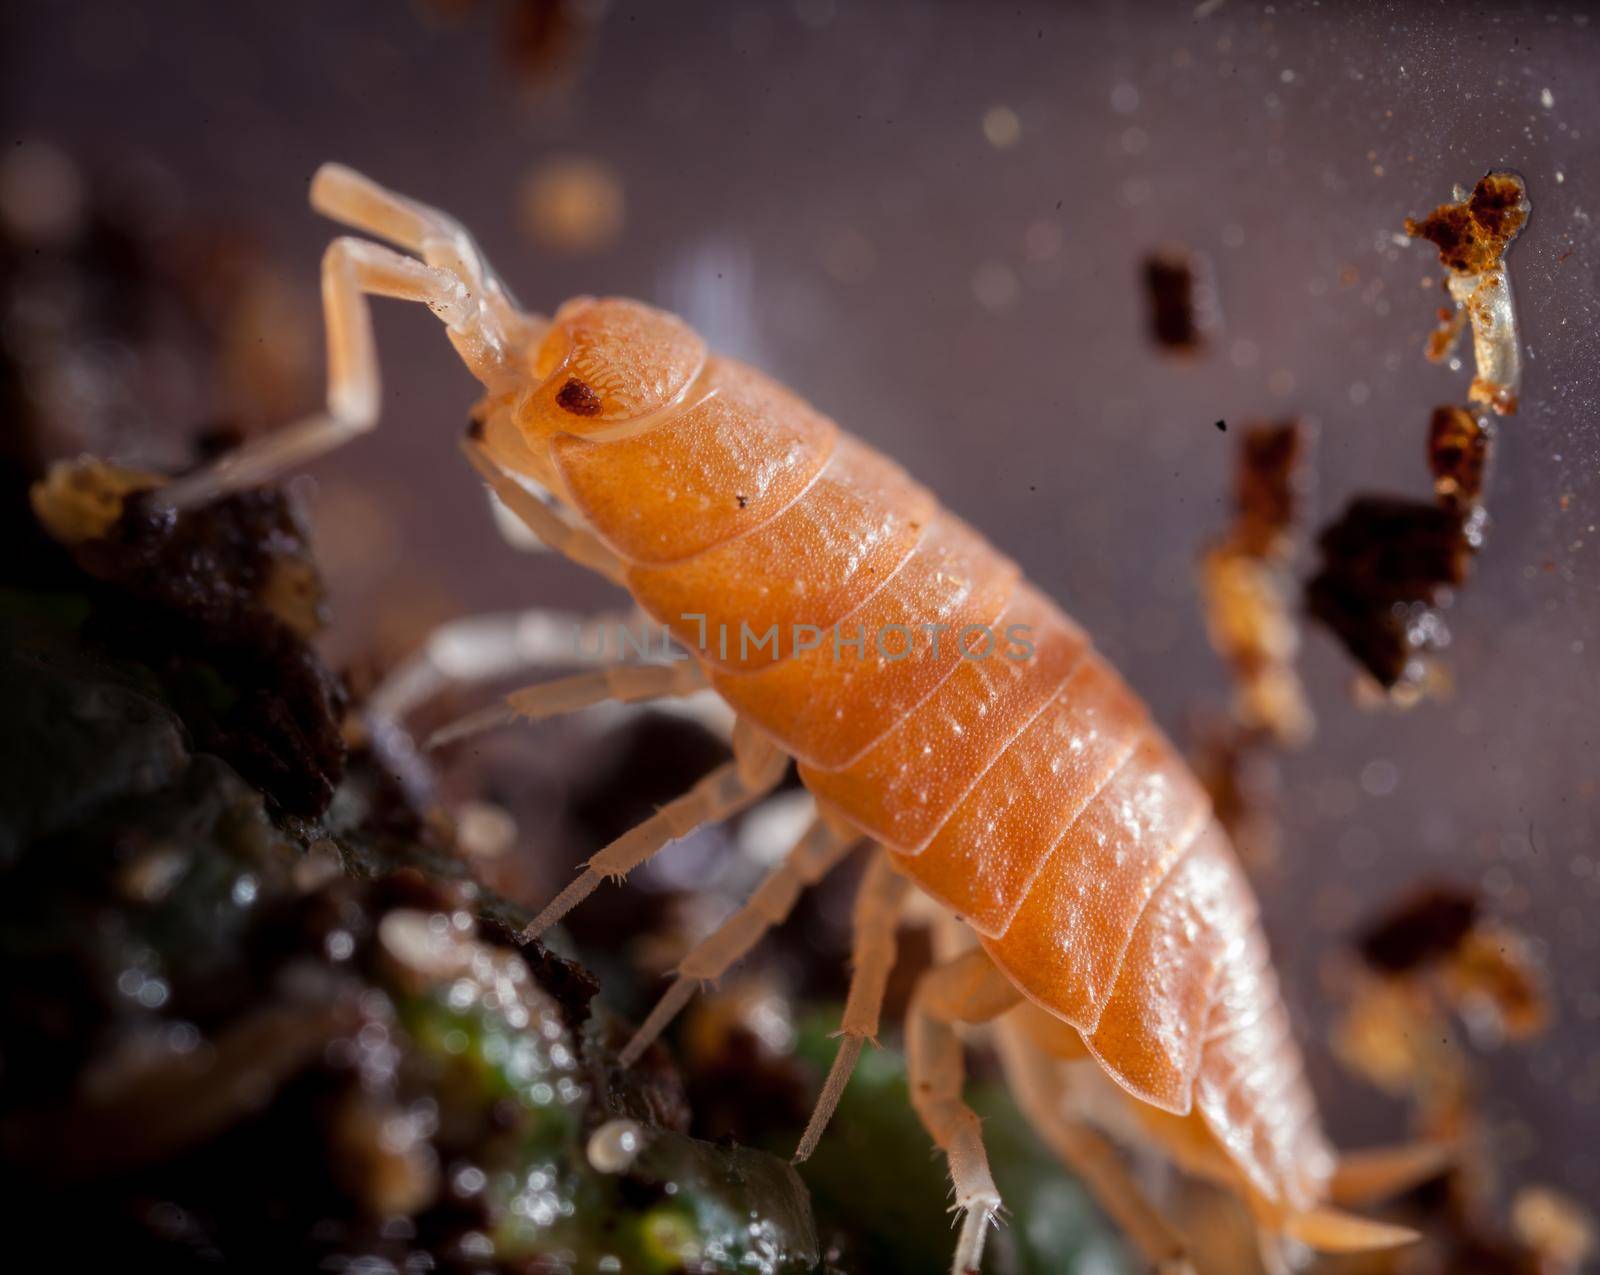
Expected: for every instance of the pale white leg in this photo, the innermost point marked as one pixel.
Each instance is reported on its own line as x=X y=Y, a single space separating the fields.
x=577 y=543
x=1036 y=1083
x=879 y=898
x=486 y=648
x=352 y=270
x=618 y=684
x=756 y=768
x=819 y=849
x=968 y=989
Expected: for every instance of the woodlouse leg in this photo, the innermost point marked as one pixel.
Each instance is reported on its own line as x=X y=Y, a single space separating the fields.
x=576 y=543
x=486 y=648
x=876 y=917
x=817 y=851
x=1036 y=1083
x=969 y=989
x=616 y=683
x=755 y=770
x=352 y=270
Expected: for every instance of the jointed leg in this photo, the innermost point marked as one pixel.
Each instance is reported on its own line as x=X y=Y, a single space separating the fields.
x=756 y=768
x=486 y=648
x=1036 y=1083
x=617 y=683
x=352 y=270
x=577 y=543
x=819 y=849
x=879 y=899
x=968 y=989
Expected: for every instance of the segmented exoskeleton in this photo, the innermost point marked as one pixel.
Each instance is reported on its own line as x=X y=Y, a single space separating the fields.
x=938 y=707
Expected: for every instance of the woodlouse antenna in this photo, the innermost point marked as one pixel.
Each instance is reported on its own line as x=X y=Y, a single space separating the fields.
x=452 y=280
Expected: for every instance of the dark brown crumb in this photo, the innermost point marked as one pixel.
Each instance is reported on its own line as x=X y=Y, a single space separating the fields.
x=1174 y=296
x=1385 y=564
x=578 y=398
x=1472 y=236
x=1244 y=587
x=1458 y=454
x=1269 y=485
x=1426 y=927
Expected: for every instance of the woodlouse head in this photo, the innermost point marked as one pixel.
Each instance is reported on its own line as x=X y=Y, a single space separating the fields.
x=606 y=362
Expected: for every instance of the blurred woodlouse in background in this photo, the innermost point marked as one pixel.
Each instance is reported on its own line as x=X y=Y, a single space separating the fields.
x=1093 y=908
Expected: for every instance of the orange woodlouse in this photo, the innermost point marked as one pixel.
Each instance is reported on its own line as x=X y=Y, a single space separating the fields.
x=1093 y=907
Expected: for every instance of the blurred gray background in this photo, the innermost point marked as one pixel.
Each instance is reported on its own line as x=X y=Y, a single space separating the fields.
x=929 y=219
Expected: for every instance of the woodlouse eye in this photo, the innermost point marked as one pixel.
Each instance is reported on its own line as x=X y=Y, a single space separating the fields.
x=578 y=398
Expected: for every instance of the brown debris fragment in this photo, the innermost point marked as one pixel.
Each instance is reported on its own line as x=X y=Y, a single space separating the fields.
x=1180 y=299
x=1443 y=339
x=83 y=499
x=1495 y=981
x=1472 y=235
x=1425 y=927
x=1244 y=585
x=1386 y=566
x=1486 y=972
x=1458 y=455
x=1432 y=964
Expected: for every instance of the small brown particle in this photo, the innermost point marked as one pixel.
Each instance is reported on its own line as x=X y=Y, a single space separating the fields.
x=1426 y=927
x=578 y=398
x=1179 y=299
x=1385 y=563
x=1243 y=585
x=1458 y=454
